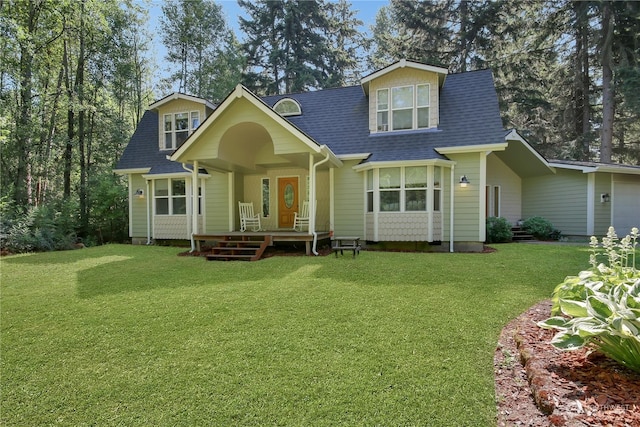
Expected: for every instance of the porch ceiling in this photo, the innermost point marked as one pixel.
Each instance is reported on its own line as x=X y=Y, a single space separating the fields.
x=249 y=148
x=523 y=160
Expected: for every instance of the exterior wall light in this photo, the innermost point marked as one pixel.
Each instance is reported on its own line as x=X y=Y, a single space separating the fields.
x=464 y=181
x=605 y=198
x=139 y=193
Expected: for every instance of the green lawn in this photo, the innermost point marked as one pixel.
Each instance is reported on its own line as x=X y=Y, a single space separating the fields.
x=124 y=335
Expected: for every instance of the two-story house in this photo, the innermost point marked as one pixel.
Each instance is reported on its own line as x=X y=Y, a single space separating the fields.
x=412 y=154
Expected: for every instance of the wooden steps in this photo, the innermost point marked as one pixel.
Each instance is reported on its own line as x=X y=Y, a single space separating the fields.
x=519 y=235
x=247 y=248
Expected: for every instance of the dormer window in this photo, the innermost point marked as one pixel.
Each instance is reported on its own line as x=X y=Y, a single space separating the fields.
x=177 y=127
x=287 y=107
x=403 y=108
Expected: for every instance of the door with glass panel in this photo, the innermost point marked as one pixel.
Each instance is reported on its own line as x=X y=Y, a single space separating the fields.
x=287 y=201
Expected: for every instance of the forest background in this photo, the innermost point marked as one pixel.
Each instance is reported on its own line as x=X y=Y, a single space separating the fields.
x=77 y=75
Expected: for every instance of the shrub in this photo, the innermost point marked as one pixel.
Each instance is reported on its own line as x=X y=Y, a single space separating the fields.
x=498 y=230
x=540 y=228
x=601 y=306
x=41 y=229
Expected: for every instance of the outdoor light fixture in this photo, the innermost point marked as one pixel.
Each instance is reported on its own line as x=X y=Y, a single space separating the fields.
x=139 y=193
x=605 y=198
x=464 y=181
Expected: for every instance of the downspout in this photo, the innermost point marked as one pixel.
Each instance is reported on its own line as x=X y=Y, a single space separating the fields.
x=194 y=202
x=453 y=188
x=148 y=213
x=312 y=201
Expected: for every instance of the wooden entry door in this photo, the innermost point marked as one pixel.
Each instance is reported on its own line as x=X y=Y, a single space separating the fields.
x=287 y=201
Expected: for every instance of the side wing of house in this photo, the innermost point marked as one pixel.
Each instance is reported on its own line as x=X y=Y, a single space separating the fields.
x=583 y=199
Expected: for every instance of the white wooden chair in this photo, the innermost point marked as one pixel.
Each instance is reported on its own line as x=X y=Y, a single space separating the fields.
x=301 y=219
x=247 y=217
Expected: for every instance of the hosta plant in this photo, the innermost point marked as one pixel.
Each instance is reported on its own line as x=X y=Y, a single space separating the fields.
x=600 y=307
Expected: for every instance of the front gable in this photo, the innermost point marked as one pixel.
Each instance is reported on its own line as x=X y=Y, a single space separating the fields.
x=404 y=96
x=179 y=115
x=245 y=134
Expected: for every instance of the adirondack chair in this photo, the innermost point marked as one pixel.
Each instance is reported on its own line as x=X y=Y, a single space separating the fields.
x=301 y=219
x=247 y=217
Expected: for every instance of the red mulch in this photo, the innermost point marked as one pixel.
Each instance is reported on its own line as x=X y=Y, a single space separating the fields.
x=538 y=385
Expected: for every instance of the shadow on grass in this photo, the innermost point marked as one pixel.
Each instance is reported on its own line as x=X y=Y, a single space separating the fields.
x=144 y=271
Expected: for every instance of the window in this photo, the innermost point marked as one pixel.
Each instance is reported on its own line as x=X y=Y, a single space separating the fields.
x=415 y=185
x=402 y=107
x=403 y=189
x=266 y=193
x=422 y=105
x=492 y=196
x=409 y=107
x=390 y=190
x=287 y=107
x=383 y=110
x=437 y=187
x=370 y=190
x=170 y=196
x=177 y=127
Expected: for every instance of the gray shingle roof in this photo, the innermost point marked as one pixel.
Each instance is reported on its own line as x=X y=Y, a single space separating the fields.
x=339 y=118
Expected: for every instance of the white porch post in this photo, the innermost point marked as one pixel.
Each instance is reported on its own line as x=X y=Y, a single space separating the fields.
x=312 y=195
x=194 y=198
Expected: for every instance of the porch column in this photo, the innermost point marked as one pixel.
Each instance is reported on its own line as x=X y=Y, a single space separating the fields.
x=312 y=195
x=194 y=198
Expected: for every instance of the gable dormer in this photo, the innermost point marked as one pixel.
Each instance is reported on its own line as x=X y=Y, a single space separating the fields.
x=404 y=96
x=178 y=116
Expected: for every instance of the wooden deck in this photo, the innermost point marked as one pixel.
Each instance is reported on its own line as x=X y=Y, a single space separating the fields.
x=272 y=235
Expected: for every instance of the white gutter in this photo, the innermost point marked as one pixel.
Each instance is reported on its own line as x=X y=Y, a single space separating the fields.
x=312 y=200
x=453 y=188
x=148 y=213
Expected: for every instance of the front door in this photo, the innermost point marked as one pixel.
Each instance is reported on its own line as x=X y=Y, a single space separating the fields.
x=287 y=201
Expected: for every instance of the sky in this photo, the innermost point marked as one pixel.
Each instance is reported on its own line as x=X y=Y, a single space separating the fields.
x=366 y=9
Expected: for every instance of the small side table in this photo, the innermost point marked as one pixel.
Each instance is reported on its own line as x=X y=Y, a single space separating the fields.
x=346 y=243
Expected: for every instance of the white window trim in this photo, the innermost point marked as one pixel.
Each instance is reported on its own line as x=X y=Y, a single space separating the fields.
x=412 y=107
x=414 y=125
x=170 y=197
x=288 y=100
x=382 y=127
x=190 y=128
x=403 y=189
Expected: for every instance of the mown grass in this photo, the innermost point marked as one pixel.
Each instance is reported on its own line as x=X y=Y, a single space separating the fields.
x=122 y=335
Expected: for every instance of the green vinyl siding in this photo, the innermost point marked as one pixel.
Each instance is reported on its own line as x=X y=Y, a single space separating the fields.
x=560 y=198
x=138 y=207
x=602 y=211
x=216 y=202
x=467 y=212
x=349 y=196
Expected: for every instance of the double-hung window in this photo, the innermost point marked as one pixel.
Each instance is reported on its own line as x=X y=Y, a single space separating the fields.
x=170 y=196
x=403 y=108
x=382 y=110
x=177 y=127
x=415 y=184
x=390 y=189
x=401 y=189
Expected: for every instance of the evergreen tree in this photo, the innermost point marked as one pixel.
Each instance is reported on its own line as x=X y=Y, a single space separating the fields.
x=194 y=32
x=295 y=45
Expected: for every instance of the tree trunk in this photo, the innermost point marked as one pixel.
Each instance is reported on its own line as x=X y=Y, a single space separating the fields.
x=582 y=108
x=82 y=193
x=608 y=103
x=68 y=151
x=24 y=122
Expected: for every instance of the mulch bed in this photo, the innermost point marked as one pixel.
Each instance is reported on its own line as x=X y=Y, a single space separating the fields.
x=539 y=385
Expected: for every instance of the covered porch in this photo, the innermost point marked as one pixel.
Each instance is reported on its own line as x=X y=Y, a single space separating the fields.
x=259 y=158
